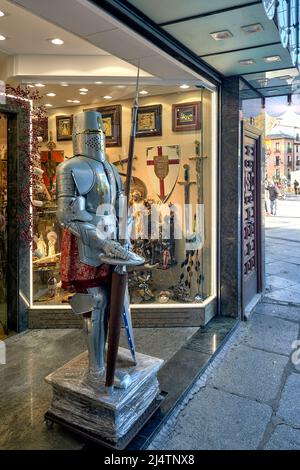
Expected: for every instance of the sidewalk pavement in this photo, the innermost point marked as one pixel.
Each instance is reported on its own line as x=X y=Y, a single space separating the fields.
x=249 y=397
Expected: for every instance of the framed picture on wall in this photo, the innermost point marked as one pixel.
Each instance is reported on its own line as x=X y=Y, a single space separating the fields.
x=149 y=121
x=186 y=116
x=64 y=127
x=112 y=121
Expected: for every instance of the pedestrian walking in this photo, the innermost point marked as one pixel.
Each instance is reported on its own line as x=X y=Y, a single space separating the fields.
x=296 y=184
x=273 y=194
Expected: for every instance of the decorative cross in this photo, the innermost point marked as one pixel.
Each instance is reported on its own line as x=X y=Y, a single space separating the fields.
x=161 y=163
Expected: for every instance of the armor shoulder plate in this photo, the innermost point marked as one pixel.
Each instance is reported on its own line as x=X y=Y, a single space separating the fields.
x=83 y=175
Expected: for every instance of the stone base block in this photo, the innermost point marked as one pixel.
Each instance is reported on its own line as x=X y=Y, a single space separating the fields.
x=89 y=410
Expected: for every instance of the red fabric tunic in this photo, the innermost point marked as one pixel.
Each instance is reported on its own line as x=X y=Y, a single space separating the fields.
x=76 y=275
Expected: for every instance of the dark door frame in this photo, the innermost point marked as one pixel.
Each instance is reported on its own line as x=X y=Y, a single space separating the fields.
x=253 y=133
x=18 y=256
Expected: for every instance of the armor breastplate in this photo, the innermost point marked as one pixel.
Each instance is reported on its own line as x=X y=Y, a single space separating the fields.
x=95 y=181
x=103 y=190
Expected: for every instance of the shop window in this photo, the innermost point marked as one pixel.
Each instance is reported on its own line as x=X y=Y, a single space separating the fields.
x=173 y=177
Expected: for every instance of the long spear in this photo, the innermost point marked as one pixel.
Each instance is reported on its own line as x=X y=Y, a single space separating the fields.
x=120 y=276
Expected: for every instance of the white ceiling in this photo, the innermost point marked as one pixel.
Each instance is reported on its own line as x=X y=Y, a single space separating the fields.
x=96 y=93
x=93 y=25
x=27 y=33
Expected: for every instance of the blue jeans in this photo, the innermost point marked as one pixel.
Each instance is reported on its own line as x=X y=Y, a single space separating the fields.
x=273 y=207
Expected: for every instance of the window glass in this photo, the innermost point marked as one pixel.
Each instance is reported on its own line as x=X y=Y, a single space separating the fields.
x=172 y=195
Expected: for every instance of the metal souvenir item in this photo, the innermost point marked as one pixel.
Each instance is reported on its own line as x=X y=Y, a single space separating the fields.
x=163 y=164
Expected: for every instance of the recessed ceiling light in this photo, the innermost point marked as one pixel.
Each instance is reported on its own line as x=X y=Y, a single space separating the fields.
x=252 y=28
x=120 y=86
x=107 y=97
x=219 y=35
x=76 y=101
x=144 y=92
x=64 y=84
x=57 y=41
x=51 y=94
x=83 y=89
x=40 y=85
x=184 y=86
x=2 y=13
x=2 y=38
x=247 y=62
x=69 y=101
x=83 y=93
x=272 y=58
x=29 y=85
x=98 y=83
x=48 y=105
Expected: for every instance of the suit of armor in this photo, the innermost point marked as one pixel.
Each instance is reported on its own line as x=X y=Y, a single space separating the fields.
x=89 y=196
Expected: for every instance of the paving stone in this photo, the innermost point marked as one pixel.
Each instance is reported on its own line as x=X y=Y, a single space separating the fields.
x=217 y=420
x=271 y=334
x=289 y=408
x=285 y=295
x=284 y=438
x=276 y=310
x=283 y=269
x=251 y=373
x=277 y=282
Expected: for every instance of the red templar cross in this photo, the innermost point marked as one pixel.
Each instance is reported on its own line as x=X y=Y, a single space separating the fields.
x=172 y=161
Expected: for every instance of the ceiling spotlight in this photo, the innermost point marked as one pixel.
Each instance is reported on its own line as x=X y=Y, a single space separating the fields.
x=29 y=85
x=144 y=92
x=40 y=85
x=76 y=101
x=83 y=93
x=120 y=86
x=98 y=83
x=247 y=62
x=83 y=89
x=69 y=101
x=107 y=97
x=184 y=86
x=272 y=58
x=219 y=35
x=57 y=41
x=51 y=94
x=48 y=105
x=2 y=38
x=64 y=84
x=252 y=28
x=2 y=13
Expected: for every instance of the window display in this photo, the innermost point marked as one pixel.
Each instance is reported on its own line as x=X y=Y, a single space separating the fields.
x=172 y=202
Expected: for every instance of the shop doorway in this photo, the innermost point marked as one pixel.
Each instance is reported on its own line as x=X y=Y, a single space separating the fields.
x=251 y=215
x=3 y=226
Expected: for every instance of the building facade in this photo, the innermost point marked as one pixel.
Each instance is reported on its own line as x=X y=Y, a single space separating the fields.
x=282 y=156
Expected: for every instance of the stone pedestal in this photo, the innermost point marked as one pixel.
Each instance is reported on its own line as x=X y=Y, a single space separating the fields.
x=87 y=409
